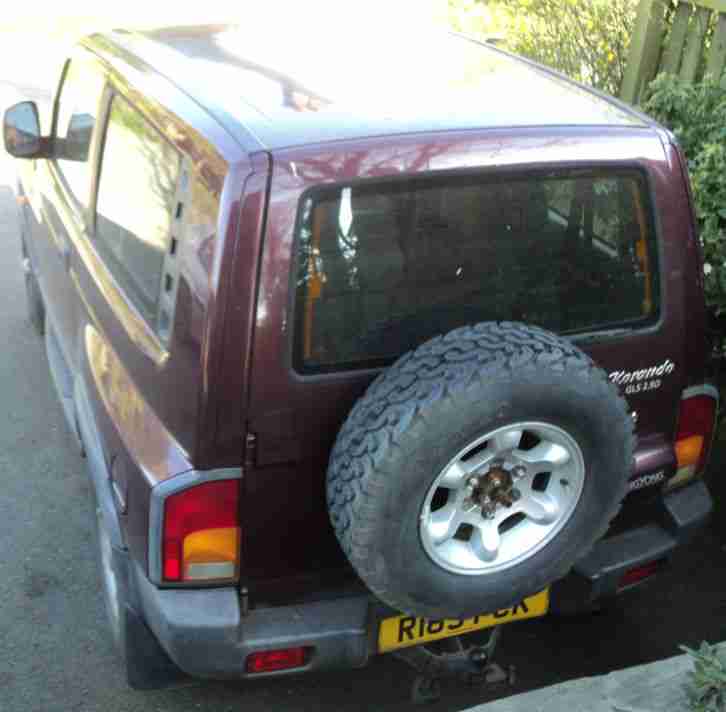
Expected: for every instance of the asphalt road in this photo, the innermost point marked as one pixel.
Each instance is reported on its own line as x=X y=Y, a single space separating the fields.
x=55 y=654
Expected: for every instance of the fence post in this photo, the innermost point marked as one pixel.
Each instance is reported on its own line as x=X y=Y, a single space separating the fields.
x=717 y=55
x=644 y=49
x=672 y=56
x=694 y=45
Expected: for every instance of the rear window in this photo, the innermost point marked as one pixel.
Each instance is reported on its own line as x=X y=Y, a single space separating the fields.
x=382 y=267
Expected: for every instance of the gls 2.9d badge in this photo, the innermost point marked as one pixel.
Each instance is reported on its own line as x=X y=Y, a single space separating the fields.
x=644 y=379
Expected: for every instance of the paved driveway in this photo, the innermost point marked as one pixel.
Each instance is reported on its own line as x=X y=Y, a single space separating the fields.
x=54 y=651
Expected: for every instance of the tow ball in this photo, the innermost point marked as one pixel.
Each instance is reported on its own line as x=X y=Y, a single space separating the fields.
x=472 y=666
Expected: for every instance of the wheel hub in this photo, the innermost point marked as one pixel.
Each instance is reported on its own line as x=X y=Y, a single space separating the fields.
x=493 y=489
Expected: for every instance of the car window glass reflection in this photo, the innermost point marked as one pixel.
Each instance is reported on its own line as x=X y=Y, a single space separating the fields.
x=139 y=174
x=77 y=112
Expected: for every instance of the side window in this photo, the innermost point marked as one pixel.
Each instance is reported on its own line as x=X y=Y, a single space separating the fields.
x=78 y=103
x=134 y=209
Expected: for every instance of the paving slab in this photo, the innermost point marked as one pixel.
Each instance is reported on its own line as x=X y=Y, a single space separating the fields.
x=655 y=687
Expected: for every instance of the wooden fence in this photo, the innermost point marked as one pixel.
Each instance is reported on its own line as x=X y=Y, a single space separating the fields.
x=687 y=39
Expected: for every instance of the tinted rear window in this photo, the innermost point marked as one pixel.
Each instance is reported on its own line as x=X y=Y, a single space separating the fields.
x=383 y=267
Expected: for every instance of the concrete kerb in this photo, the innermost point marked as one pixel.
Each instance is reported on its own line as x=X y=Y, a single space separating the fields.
x=654 y=687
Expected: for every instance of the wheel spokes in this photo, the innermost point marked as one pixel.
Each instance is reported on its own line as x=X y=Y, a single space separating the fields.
x=457 y=472
x=485 y=541
x=443 y=523
x=455 y=475
x=507 y=440
x=545 y=456
x=540 y=507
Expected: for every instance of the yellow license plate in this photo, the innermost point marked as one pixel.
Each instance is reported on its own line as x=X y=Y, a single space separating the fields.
x=405 y=631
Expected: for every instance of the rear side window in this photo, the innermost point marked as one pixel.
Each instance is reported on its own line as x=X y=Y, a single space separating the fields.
x=134 y=210
x=383 y=267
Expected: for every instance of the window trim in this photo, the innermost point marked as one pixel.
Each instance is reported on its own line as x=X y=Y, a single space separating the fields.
x=609 y=333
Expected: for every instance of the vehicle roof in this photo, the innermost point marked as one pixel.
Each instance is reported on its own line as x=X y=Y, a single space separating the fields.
x=288 y=86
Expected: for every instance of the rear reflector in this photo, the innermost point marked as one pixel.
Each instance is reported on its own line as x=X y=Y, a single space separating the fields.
x=641 y=573
x=273 y=660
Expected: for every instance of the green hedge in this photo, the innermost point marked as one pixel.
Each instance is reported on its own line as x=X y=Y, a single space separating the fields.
x=696 y=113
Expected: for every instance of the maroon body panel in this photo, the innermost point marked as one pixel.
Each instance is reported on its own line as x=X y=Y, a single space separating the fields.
x=232 y=376
x=155 y=405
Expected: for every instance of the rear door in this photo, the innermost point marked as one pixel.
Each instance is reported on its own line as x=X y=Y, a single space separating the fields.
x=389 y=247
x=63 y=189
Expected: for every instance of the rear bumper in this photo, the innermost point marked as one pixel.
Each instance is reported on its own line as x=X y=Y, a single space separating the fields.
x=598 y=575
x=205 y=635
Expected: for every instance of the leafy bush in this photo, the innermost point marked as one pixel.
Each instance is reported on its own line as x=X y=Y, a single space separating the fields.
x=696 y=113
x=706 y=686
x=586 y=39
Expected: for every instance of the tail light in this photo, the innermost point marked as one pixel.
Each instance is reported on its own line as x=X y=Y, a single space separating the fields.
x=201 y=535
x=696 y=420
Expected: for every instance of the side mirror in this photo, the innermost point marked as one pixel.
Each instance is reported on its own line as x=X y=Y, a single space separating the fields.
x=21 y=131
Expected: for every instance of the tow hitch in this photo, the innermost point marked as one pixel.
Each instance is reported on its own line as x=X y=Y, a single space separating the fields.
x=451 y=660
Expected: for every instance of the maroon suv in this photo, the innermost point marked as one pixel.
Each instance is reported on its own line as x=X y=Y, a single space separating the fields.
x=362 y=355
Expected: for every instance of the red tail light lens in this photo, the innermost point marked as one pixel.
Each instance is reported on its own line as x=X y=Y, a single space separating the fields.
x=695 y=428
x=200 y=540
x=696 y=420
x=272 y=660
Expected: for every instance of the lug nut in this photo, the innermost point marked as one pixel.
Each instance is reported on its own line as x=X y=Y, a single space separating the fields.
x=519 y=472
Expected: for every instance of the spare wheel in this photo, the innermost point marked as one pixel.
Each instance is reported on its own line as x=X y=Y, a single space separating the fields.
x=477 y=469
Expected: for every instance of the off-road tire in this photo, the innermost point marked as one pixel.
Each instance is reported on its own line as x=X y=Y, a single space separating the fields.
x=145 y=662
x=421 y=411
